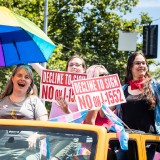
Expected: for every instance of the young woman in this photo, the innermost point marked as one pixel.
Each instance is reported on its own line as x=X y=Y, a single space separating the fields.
x=17 y=99
x=95 y=117
x=61 y=149
x=16 y=102
x=142 y=109
x=75 y=64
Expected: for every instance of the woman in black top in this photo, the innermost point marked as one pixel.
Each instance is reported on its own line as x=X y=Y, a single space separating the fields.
x=138 y=111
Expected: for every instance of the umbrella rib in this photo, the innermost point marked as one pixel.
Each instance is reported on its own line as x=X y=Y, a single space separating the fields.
x=16 y=49
x=2 y=52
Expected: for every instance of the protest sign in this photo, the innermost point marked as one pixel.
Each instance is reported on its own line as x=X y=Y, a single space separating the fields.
x=57 y=83
x=91 y=93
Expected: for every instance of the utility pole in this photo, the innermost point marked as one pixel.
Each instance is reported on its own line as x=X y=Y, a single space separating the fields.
x=45 y=26
x=45 y=21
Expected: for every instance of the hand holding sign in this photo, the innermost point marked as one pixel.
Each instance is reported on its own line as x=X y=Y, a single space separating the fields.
x=63 y=105
x=56 y=84
x=91 y=93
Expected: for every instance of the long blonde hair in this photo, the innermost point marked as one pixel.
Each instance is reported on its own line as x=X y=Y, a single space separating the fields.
x=93 y=71
x=9 y=87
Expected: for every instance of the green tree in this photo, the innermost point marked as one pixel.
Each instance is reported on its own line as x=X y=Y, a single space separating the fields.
x=88 y=28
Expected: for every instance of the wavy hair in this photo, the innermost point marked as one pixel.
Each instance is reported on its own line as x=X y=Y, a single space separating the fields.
x=93 y=71
x=9 y=87
x=147 y=90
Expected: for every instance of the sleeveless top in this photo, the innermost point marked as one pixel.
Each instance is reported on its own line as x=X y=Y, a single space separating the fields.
x=103 y=121
x=136 y=113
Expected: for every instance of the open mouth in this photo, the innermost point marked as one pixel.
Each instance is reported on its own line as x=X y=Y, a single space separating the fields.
x=21 y=84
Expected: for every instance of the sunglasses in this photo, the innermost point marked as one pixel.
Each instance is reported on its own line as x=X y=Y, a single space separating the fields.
x=104 y=74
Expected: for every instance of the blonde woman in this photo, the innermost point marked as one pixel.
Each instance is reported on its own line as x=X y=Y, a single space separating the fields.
x=95 y=117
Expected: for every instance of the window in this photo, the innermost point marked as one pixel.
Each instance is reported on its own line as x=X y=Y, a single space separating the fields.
x=114 y=150
x=14 y=144
x=152 y=149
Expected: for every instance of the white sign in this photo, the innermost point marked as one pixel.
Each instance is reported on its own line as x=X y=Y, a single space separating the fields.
x=127 y=41
x=91 y=93
x=56 y=84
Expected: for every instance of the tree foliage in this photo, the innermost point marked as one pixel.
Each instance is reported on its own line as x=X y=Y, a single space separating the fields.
x=87 y=27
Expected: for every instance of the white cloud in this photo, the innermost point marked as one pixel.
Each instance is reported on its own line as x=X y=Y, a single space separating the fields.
x=148 y=3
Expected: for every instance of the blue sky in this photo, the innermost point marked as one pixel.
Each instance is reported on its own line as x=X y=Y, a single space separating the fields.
x=152 y=7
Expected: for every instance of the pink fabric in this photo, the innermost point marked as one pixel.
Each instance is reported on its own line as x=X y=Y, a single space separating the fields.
x=43 y=147
x=157 y=156
x=103 y=121
x=57 y=111
x=74 y=117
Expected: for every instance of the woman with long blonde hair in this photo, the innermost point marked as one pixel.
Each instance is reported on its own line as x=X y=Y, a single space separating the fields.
x=96 y=117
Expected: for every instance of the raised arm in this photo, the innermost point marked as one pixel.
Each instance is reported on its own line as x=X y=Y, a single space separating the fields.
x=37 y=67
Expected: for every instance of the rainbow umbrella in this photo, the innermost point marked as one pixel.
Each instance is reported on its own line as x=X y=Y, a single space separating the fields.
x=21 y=41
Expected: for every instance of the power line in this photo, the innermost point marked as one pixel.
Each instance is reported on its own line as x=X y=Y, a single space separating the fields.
x=156 y=19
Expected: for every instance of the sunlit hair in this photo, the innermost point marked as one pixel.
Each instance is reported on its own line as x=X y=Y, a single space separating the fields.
x=76 y=56
x=147 y=91
x=9 y=87
x=94 y=71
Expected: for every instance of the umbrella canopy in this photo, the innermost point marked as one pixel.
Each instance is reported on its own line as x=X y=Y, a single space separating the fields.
x=21 y=41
